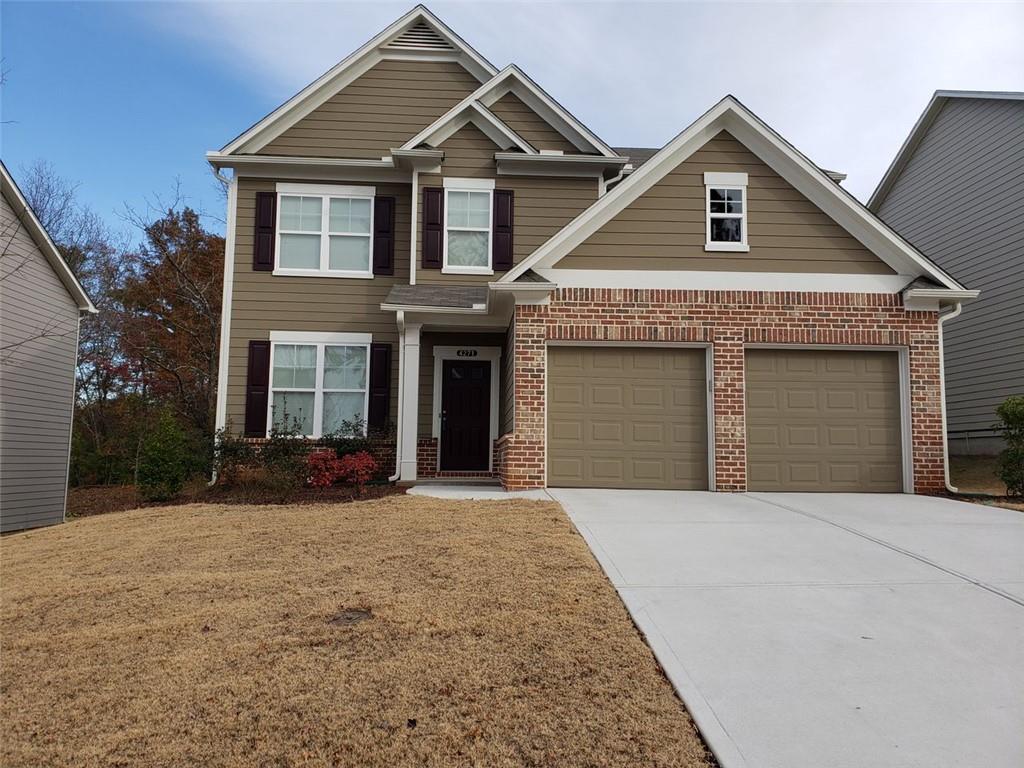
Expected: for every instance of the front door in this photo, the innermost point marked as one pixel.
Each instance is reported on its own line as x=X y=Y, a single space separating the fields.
x=465 y=416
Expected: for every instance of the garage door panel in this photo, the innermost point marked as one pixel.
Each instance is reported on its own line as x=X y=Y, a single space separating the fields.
x=640 y=422
x=823 y=420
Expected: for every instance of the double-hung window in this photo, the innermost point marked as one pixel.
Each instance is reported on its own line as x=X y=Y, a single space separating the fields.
x=324 y=230
x=468 y=207
x=726 y=211
x=319 y=381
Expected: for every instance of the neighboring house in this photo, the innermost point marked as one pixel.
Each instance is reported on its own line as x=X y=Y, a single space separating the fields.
x=956 y=191
x=40 y=306
x=418 y=238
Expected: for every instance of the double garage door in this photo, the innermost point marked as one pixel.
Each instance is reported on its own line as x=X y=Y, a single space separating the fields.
x=636 y=417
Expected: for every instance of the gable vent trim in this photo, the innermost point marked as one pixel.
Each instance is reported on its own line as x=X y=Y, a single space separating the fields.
x=420 y=37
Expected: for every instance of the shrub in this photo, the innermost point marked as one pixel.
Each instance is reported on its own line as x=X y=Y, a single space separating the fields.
x=232 y=455
x=357 y=469
x=164 y=461
x=282 y=459
x=323 y=468
x=1011 y=460
x=351 y=438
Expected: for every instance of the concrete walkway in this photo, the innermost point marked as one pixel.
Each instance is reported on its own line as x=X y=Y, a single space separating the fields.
x=837 y=631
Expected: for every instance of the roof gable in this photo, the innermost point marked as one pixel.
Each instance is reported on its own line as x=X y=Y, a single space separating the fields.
x=419 y=35
x=730 y=115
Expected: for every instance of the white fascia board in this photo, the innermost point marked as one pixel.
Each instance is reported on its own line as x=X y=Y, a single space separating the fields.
x=310 y=168
x=476 y=309
x=344 y=72
x=720 y=280
x=784 y=159
x=931 y=299
x=454 y=120
x=42 y=239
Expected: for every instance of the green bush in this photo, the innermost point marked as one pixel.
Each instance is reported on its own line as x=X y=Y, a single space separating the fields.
x=232 y=455
x=165 y=461
x=1011 y=460
x=351 y=438
x=282 y=459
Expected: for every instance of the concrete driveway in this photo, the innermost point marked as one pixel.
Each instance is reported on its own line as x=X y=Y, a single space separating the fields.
x=826 y=629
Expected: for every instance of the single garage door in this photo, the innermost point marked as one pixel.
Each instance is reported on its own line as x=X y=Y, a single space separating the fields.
x=627 y=417
x=823 y=420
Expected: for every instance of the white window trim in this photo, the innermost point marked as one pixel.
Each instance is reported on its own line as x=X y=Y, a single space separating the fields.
x=469 y=185
x=325 y=192
x=484 y=354
x=320 y=341
x=719 y=180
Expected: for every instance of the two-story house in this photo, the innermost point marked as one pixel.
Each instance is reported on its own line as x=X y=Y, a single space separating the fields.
x=420 y=239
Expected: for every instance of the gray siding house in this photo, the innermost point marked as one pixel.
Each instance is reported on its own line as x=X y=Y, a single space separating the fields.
x=40 y=306
x=956 y=191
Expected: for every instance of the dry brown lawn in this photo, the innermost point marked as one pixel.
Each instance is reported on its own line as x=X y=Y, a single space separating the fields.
x=978 y=474
x=201 y=635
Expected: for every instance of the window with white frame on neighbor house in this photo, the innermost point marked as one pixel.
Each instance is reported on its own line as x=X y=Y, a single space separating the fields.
x=322 y=388
x=467 y=235
x=726 y=211
x=325 y=230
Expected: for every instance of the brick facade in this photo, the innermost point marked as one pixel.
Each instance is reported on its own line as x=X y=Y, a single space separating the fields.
x=727 y=320
x=427 y=458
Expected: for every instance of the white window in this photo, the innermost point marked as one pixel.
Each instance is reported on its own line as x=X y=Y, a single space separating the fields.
x=468 y=207
x=324 y=230
x=319 y=381
x=726 y=209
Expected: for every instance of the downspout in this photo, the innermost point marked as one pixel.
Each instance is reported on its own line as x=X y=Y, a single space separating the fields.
x=943 y=318
x=412 y=234
x=400 y=319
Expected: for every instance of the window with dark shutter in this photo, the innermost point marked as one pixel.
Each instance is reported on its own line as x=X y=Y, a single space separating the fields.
x=263 y=240
x=380 y=386
x=257 y=383
x=433 y=227
x=384 y=236
x=504 y=215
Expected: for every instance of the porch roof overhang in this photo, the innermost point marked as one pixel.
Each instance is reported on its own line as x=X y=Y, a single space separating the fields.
x=544 y=163
x=444 y=299
x=314 y=168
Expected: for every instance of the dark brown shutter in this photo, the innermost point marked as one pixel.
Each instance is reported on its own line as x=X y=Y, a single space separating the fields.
x=380 y=385
x=384 y=236
x=504 y=213
x=433 y=227
x=263 y=240
x=257 y=389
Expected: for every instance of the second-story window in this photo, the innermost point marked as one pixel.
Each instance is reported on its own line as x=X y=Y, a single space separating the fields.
x=467 y=235
x=726 y=211
x=324 y=230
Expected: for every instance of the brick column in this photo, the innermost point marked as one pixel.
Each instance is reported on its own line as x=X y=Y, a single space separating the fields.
x=926 y=412
x=730 y=411
x=522 y=452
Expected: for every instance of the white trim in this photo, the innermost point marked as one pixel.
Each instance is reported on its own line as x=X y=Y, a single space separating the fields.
x=326 y=193
x=414 y=225
x=796 y=169
x=721 y=280
x=903 y=353
x=220 y=419
x=481 y=354
x=467 y=185
x=721 y=179
x=488 y=123
x=320 y=341
x=310 y=337
x=408 y=408
x=476 y=309
x=348 y=69
x=931 y=299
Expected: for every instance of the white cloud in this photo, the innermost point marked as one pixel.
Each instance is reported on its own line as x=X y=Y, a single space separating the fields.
x=843 y=82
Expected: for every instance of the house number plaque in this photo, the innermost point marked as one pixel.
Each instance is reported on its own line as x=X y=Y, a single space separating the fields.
x=466 y=353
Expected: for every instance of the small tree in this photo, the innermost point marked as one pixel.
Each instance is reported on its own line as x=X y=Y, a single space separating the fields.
x=1011 y=460
x=164 y=461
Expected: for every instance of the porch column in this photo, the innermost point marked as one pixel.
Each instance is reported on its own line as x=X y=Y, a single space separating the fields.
x=410 y=400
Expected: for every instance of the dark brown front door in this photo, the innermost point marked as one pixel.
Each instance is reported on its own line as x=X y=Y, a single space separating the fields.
x=465 y=415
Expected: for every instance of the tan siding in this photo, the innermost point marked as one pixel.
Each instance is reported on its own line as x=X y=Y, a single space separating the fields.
x=529 y=125
x=664 y=228
x=263 y=302
x=383 y=108
x=430 y=340
x=543 y=205
x=507 y=416
x=38 y=331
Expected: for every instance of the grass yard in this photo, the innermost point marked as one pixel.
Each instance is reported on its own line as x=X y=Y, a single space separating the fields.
x=202 y=635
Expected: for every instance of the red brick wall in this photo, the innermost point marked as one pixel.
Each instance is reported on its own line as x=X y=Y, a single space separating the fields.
x=727 y=320
x=426 y=461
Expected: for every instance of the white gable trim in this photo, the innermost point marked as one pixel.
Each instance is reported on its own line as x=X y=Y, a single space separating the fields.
x=350 y=68
x=491 y=125
x=512 y=79
x=784 y=159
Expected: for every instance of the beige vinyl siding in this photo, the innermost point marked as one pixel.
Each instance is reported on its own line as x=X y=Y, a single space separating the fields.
x=543 y=205
x=518 y=116
x=39 y=337
x=665 y=228
x=429 y=340
x=381 y=109
x=507 y=416
x=263 y=302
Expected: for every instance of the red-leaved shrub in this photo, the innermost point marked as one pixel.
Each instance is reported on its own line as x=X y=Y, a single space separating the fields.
x=357 y=469
x=323 y=469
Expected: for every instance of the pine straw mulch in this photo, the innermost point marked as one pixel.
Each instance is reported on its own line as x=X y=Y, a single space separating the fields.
x=208 y=635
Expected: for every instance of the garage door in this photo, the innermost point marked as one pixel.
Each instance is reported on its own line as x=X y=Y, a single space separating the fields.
x=621 y=417
x=823 y=421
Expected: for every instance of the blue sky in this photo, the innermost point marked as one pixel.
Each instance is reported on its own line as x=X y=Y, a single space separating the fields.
x=124 y=98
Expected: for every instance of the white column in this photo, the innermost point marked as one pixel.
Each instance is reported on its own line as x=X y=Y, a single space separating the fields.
x=410 y=400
